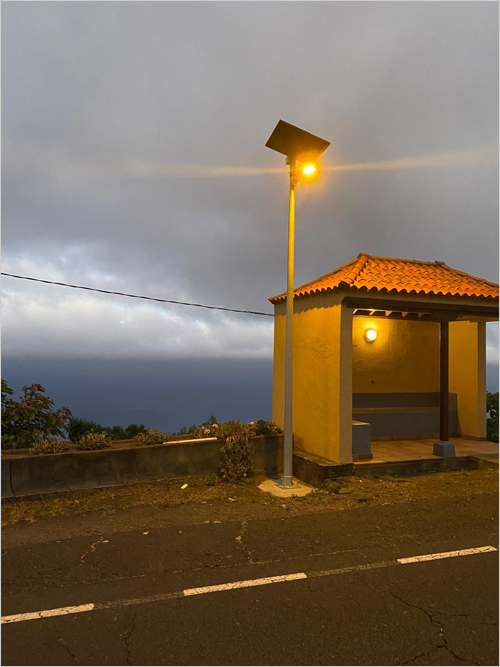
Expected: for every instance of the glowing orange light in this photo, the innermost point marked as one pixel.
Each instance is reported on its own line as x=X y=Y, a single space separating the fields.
x=370 y=335
x=309 y=169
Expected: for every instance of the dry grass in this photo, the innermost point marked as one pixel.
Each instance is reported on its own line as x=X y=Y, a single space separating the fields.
x=343 y=493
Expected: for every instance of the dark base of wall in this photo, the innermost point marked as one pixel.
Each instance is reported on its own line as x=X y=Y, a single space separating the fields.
x=62 y=494
x=314 y=470
x=426 y=436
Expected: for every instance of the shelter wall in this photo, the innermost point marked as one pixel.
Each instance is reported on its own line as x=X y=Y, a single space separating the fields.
x=403 y=358
x=322 y=375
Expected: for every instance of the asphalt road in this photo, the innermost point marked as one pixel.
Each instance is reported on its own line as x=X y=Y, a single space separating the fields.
x=355 y=603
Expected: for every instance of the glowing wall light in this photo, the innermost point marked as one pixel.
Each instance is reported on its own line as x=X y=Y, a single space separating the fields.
x=370 y=335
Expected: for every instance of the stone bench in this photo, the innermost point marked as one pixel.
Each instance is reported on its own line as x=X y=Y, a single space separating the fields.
x=403 y=416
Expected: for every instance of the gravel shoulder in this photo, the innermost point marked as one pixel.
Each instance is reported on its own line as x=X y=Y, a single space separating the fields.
x=131 y=507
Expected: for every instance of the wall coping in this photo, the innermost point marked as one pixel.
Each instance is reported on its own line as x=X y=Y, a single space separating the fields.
x=27 y=453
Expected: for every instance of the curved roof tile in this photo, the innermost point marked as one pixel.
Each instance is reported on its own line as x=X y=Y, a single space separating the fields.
x=368 y=272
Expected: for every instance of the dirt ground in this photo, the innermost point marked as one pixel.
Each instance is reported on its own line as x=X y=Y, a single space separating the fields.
x=340 y=494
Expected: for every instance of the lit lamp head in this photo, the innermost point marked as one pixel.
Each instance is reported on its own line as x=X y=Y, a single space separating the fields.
x=309 y=169
x=297 y=144
x=370 y=335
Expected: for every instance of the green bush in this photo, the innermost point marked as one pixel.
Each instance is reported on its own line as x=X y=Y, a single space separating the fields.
x=31 y=418
x=77 y=428
x=236 y=463
x=210 y=428
x=94 y=441
x=184 y=430
x=133 y=430
x=211 y=479
x=261 y=427
x=115 y=432
x=492 y=410
x=151 y=437
x=206 y=431
x=49 y=447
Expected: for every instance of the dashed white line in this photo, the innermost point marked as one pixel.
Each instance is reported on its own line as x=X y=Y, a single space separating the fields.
x=61 y=611
x=446 y=554
x=64 y=611
x=245 y=584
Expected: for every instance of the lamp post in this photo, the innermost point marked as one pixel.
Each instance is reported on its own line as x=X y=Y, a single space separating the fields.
x=303 y=147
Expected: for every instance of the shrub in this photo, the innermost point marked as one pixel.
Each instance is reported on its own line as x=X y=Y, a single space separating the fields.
x=31 y=419
x=235 y=464
x=133 y=430
x=49 y=447
x=211 y=479
x=261 y=427
x=78 y=427
x=94 y=441
x=184 y=430
x=209 y=429
x=115 y=432
x=206 y=431
x=492 y=410
x=151 y=437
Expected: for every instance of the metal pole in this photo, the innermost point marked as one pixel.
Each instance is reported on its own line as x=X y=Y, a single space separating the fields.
x=443 y=380
x=288 y=438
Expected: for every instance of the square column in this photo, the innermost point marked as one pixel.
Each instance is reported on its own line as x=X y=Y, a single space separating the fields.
x=443 y=447
x=468 y=376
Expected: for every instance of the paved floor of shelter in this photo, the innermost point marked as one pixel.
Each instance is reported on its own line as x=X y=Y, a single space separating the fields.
x=414 y=450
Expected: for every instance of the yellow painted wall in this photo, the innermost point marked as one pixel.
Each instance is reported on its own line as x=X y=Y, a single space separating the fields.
x=403 y=358
x=322 y=375
x=468 y=375
x=332 y=359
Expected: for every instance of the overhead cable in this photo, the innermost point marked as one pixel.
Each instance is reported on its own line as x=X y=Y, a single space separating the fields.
x=138 y=296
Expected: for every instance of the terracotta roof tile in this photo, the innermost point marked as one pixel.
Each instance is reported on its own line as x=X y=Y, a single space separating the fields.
x=386 y=274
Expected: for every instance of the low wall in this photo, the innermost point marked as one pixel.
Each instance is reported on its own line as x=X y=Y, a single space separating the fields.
x=36 y=475
x=403 y=415
x=316 y=470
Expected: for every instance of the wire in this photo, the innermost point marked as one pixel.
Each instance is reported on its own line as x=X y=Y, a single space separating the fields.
x=137 y=296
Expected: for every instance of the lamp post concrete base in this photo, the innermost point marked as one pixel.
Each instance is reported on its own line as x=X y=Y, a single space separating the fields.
x=275 y=487
x=445 y=449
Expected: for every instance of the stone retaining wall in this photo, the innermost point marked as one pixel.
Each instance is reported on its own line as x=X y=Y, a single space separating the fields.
x=32 y=475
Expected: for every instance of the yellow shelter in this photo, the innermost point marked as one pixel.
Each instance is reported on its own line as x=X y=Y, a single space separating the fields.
x=385 y=348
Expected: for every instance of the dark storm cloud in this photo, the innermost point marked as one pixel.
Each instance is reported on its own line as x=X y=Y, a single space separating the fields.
x=90 y=89
x=165 y=396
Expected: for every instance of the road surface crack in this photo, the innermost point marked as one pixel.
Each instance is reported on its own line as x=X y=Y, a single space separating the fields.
x=438 y=624
x=126 y=636
x=63 y=645
x=239 y=541
x=92 y=548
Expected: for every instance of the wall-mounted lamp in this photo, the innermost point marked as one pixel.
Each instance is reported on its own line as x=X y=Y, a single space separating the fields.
x=370 y=335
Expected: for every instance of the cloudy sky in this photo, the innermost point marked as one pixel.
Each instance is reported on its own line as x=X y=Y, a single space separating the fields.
x=133 y=159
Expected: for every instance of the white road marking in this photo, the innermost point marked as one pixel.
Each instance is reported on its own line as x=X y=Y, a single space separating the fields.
x=245 y=584
x=64 y=611
x=61 y=611
x=446 y=554
x=352 y=568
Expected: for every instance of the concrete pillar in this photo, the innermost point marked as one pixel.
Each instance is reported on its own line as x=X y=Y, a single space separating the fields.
x=322 y=376
x=342 y=452
x=468 y=376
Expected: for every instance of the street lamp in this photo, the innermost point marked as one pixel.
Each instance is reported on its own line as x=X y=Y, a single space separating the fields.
x=305 y=148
